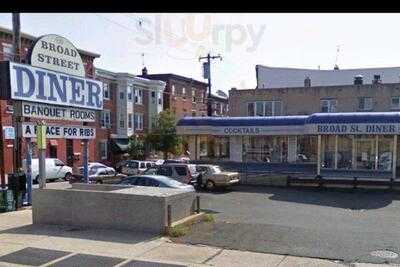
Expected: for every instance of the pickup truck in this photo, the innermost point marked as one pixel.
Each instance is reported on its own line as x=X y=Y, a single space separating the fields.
x=212 y=176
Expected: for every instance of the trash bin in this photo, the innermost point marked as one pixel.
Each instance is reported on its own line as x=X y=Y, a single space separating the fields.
x=17 y=183
x=6 y=200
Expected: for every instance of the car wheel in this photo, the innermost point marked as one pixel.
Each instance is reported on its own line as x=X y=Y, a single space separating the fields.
x=36 y=180
x=99 y=182
x=68 y=176
x=210 y=185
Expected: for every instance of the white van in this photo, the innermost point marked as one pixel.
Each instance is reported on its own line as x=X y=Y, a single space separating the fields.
x=55 y=169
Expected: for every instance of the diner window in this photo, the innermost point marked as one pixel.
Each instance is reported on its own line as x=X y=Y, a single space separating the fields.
x=203 y=146
x=365 y=103
x=328 y=105
x=105 y=119
x=250 y=109
x=385 y=152
x=106 y=91
x=265 y=148
x=307 y=148
x=345 y=152
x=365 y=152
x=328 y=151
x=395 y=102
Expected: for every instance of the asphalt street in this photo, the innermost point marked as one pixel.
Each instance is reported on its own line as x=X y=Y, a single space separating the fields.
x=342 y=225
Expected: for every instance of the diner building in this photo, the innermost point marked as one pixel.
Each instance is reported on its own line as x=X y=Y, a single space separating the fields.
x=336 y=143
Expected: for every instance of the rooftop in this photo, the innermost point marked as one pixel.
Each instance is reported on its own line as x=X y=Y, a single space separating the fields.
x=277 y=77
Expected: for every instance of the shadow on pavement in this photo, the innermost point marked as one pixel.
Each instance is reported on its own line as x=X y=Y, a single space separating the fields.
x=105 y=235
x=355 y=199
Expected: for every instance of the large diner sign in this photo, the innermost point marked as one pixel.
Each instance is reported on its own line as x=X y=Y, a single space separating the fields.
x=44 y=111
x=358 y=128
x=59 y=131
x=54 y=52
x=44 y=86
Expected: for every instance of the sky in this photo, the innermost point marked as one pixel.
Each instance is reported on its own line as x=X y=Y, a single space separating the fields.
x=172 y=43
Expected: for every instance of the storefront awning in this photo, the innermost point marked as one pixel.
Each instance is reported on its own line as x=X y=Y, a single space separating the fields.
x=119 y=145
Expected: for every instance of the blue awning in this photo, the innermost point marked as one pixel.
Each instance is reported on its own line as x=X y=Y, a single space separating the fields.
x=243 y=121
x=354 y=117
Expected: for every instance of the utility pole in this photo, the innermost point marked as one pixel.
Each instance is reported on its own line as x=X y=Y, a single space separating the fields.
x=16 y=104
x=207 y=75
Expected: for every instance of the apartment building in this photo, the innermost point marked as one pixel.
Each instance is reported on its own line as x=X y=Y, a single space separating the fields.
x=182 y=95
x=219 y=104
x=131 y=105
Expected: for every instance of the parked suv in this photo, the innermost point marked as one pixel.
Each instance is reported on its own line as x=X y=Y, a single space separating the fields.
x=55 y=169
x=134 y=167
x=182 y=172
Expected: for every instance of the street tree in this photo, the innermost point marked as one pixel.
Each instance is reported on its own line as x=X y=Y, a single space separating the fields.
x=163 y=136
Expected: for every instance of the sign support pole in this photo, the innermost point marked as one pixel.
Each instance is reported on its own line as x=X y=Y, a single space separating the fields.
x=29 y=170
x=41 y=141
x=85 y=161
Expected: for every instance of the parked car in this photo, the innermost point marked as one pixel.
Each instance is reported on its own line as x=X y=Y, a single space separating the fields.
x=155 y=181
x=99 y=174
x=182 y=172
x=134 y=167
x=55 y=169
x=212 y=176
x=177 y=160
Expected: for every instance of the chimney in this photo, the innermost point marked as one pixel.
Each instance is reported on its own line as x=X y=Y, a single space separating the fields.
x=377 y=79
x=144 y=71
x=307 y=82
x=358 y=80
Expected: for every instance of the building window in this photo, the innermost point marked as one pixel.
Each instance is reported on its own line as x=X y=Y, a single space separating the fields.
x=173 y=90
x=121 y=95
x=183 y=93
x=103 y=149
x=7 y=52
x=263 y=108
x=121 y=121
x=396 y=102
x=138 y=96
x=105 y=119
x=129 y=90
x=193 y=95
x=250 y=109
x=138 y=121
x=328 y=105
x=365 y=103
x=159 y=95
x=130 y=119
x=193 y=113
x=260 y=109
x=106 y=91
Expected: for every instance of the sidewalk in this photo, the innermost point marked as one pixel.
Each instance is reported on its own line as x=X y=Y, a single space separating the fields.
x=23 y=243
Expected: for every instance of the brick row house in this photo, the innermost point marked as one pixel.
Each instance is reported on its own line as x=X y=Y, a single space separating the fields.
x=182 y=95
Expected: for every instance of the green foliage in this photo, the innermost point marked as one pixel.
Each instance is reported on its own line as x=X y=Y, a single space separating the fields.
x=136 y=148
x=209 y=218
x=178 y=231
x=163 y=136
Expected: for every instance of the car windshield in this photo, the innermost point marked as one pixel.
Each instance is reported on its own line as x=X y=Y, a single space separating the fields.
x=215 y=169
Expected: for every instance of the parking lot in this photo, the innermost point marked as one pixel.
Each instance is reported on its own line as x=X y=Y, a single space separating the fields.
x=351 y=226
